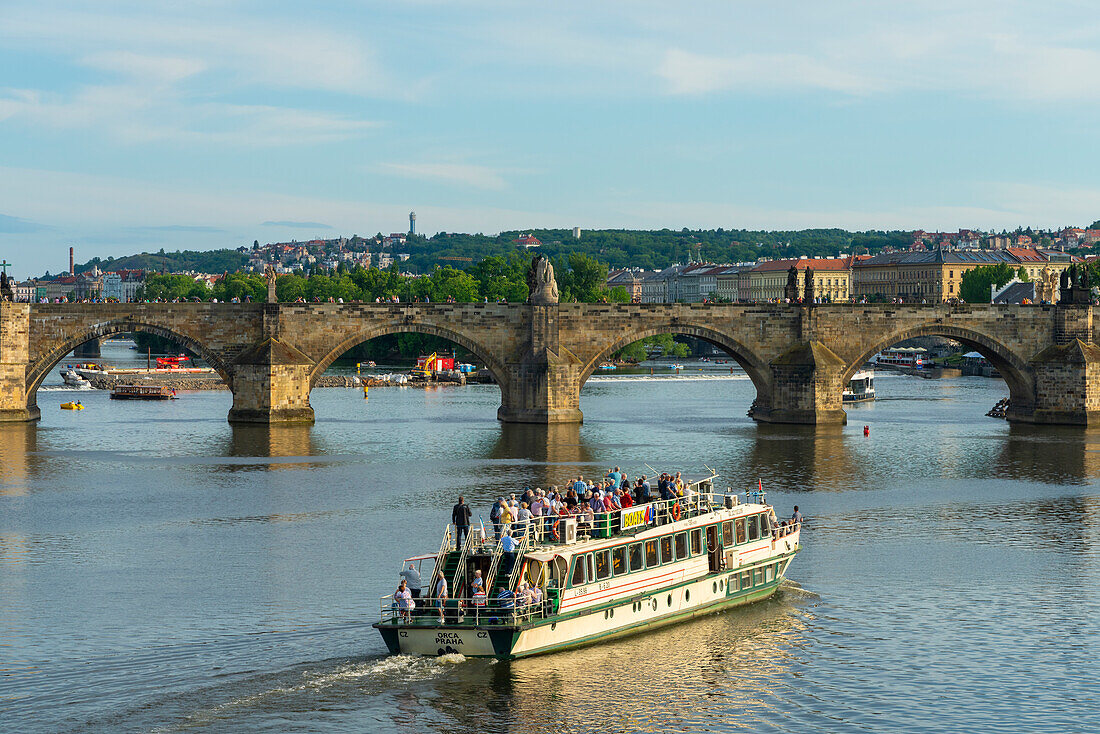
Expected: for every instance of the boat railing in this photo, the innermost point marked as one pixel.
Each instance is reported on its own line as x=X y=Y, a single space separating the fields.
x=477 y=610
x=547 y=529
x=468 y=543
x=444 y=548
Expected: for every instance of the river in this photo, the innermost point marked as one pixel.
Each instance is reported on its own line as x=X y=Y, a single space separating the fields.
x=163 y=571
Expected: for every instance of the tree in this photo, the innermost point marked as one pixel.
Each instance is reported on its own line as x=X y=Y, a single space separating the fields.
x=1022 y=274
x=975 y=286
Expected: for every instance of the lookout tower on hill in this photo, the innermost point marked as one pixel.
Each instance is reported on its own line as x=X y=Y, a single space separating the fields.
x=412 y=222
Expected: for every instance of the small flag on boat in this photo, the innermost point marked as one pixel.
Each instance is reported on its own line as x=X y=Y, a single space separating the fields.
x=482 y=531
x=759 y=485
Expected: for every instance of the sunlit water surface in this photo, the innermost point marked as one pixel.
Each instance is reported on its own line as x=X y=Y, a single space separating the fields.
x=162 y=571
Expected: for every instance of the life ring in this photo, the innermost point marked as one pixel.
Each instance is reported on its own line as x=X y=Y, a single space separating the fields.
x=554 y=530
x=675 y=511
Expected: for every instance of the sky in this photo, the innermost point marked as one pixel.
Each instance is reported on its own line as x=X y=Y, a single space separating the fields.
x=131 y=126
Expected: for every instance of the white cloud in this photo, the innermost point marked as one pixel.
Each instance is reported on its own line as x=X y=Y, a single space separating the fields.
x=465 y=174
x=692 y=73
x=157 y=68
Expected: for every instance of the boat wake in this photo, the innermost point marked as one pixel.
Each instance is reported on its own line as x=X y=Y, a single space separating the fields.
x=65 y=388
x=309 y=685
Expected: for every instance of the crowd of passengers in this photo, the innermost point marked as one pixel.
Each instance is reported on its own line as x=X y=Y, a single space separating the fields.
x=585 y=500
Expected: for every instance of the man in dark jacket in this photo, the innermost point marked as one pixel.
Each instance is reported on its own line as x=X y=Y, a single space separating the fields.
x=460 y=516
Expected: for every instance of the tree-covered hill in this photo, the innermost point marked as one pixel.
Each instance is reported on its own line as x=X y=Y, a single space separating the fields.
x=209 y=261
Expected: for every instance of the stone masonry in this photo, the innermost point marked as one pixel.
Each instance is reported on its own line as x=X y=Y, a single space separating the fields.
x=798 y=357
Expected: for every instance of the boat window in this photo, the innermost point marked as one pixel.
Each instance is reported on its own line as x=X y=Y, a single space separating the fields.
x=746 y=580
x=603 y=564
x=740 y=530
x=769 y=574
x=651 y=560
x=618 y=560
x=696 y=541
x=758 y=577
x=733 y=584
x=681 y=546
x=727 y=533
x=666 y=549
x=578 y=571
x=754 y=531
x=637 y=561
x=591 y=573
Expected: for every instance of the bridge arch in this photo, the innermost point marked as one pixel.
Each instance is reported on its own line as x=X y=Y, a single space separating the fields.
x=482 y=352
x=1012 y=367
x=41 y=367
x=756 y=368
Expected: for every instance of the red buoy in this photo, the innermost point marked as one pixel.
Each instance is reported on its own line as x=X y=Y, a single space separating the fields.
x=866 y=430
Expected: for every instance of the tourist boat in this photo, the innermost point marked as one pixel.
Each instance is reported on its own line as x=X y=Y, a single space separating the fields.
x=72 y=406
x=632 y=571
x=903 y=357
x=143 y=392
x=860 y=388
x=607 y=366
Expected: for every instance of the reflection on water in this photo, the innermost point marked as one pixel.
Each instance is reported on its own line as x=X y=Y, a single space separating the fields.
x=18 y=450
x=161 y=571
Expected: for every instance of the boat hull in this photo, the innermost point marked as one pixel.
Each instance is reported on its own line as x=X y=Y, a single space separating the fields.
x=626 y=617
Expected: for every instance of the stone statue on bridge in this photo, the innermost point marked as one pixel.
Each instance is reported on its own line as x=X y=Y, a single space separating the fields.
x=791 y=291
x=808 y=287
x=7 y=293
x=541 y=286
x=269 y=275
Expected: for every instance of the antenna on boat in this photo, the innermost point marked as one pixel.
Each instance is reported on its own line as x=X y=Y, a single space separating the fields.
x=647 y=466
x=712 y=472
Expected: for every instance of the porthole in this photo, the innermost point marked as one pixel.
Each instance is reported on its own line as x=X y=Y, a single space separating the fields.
x=654 y=605
x=670 y=600
x=553 y=626
x=612 y=613
x=722 y=585
x=687 y=595
x=714 y=587
x=605 y=614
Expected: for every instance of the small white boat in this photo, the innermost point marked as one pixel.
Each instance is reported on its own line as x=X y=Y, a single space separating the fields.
x=73 y=379
x=675 y=366
x=861 y=388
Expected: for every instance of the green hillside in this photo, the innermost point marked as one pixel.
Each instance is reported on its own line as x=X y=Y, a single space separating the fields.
x=209 y=261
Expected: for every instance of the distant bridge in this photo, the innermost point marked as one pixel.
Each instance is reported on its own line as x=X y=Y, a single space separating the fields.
x=798 y=357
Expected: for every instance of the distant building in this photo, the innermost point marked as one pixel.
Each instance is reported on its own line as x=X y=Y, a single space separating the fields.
x=412 y=223
x=576 y=233
x=528 y=241
x=832 y=278
x=122 y=285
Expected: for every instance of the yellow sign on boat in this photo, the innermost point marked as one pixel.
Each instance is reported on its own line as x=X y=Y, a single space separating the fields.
x=633 y=518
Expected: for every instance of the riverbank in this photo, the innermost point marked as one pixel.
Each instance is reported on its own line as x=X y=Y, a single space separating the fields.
x=183 y=382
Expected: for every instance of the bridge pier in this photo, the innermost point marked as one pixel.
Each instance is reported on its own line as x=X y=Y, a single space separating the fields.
x=1067 y=386
x=14 y=356
x=271 y=385
x=806 y=388
x=545 y=385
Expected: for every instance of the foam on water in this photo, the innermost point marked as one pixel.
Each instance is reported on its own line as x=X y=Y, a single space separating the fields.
x=667 y=378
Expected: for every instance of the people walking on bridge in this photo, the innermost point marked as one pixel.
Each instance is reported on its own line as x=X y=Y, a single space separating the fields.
x=460 y=516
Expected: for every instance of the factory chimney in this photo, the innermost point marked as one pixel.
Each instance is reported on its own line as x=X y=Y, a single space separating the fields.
x=72 y=270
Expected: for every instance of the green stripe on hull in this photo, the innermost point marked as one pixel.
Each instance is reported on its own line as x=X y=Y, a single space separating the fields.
x=718 y=605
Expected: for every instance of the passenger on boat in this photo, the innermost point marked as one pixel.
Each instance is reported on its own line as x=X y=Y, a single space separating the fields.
x=579 y=486
x=615 y=476
x=411 y=577
x=523 y=518
x=477 y=584
x=513 y=505
x=439 y=592
x=494 y=517
x=460 y=516
x=625 y=500
x=505 y=598
x=508 y=547
x=403 y=600
x=797 y=516
x=506 y=516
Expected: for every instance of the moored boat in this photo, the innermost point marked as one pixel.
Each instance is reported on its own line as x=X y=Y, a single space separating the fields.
x=571 y=583
x=608 y=366
x=861 y=388
x=142 y=392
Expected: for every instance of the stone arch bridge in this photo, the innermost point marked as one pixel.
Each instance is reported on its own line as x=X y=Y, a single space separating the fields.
x=798 y=357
